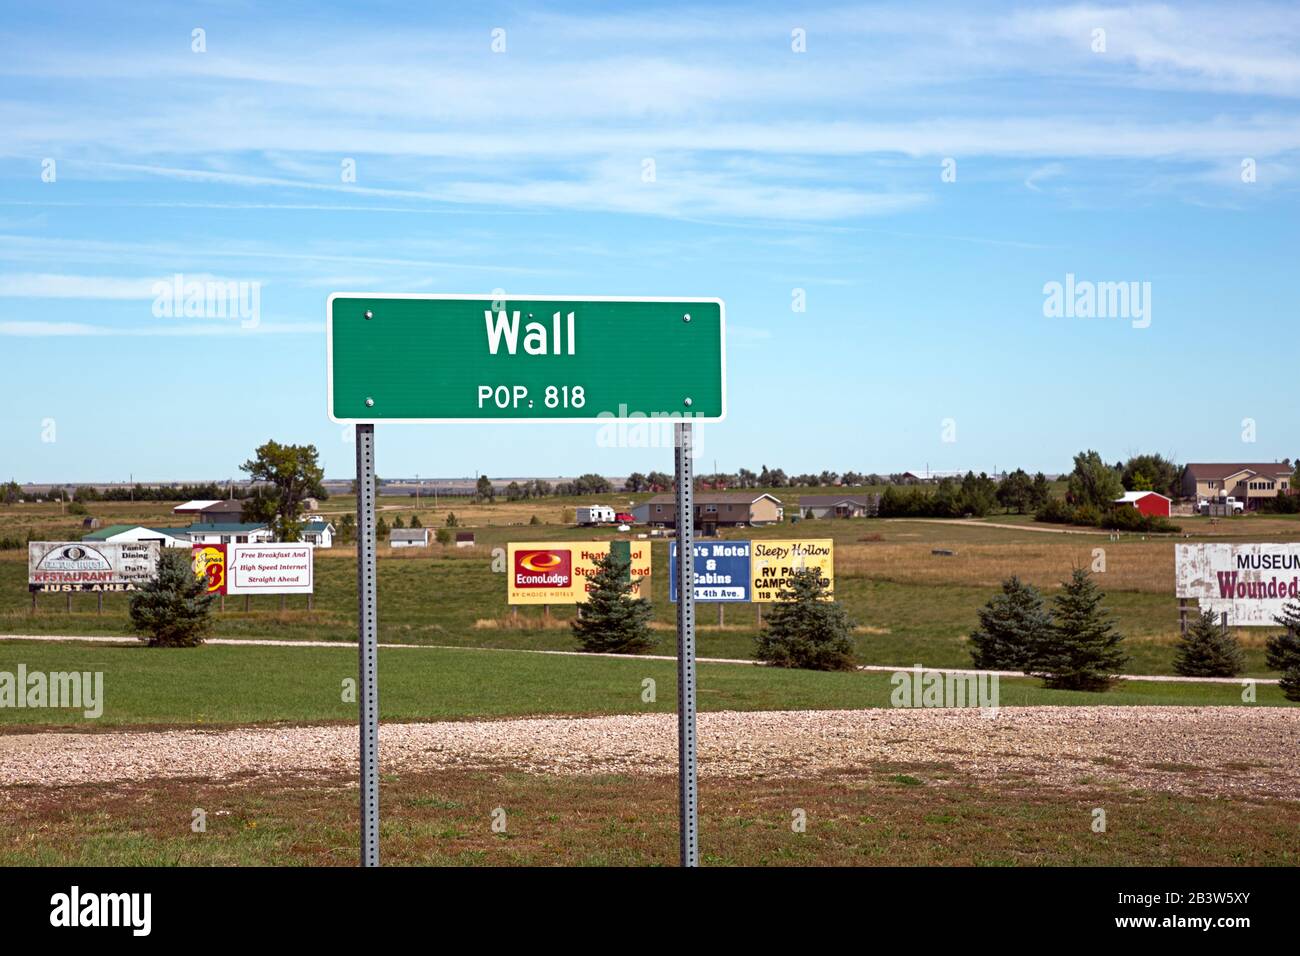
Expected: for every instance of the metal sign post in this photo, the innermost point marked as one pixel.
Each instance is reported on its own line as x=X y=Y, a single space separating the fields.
x=690 y=844
x=367 y=645
x=521 y=359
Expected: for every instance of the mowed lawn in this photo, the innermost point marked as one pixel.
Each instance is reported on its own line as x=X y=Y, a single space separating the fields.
x=911 y=605
x=226 y=685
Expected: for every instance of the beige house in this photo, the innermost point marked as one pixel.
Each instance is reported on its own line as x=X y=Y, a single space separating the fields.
x=713 y=509
x=1246 y=482
x=839 y=506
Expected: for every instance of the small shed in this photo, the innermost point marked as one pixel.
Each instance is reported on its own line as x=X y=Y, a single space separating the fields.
x=1147 y=502
x=464 y=539
x=408 y=538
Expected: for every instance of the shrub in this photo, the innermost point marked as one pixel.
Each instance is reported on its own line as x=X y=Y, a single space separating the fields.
x=612 y=621
x=1082 y=651
x=1012 y=626
x=1281 y=505
x=175 y=609
x=1123 y=518
x=443 y=536
x=805 y=629
x=1055 y=511
x=1207 y=650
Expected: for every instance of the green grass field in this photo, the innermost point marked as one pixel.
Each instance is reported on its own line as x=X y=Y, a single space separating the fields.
x=908 y=607
x=225 y=685
x=880 y=816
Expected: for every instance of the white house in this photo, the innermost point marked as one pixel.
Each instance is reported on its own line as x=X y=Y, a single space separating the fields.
x=236 y=533
x=317 y=531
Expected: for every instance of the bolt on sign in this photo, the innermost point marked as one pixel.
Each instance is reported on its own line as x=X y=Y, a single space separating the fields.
x=561 y=572
x=773 y=563
x=209 y=563
x=722 y=571
x=1250 y=582
x=86 y=566
x=472 y=358
x=269 y=568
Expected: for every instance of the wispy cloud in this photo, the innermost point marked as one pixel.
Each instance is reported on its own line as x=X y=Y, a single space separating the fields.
x=21 y=329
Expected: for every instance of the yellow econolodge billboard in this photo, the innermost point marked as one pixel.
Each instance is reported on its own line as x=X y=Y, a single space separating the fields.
x=773 y=562
x=559 y=572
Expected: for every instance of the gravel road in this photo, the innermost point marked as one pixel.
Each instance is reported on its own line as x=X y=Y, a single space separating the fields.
x=1217 y=750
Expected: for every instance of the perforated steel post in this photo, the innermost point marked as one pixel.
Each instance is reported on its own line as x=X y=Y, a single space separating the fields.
x=367 y=645
x=686 y=646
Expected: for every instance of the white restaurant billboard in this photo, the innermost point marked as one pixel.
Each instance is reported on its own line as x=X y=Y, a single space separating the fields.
x=1251 y=582
x=90 y=566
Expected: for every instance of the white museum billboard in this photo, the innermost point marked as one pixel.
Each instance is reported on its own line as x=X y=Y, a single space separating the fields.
x=1251 y=582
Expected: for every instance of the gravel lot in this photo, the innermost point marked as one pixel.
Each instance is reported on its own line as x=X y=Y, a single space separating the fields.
x=1232 y=751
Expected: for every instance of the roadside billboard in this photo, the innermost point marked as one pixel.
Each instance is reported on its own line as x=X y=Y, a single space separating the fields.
x=559 y=572
x=772 y=563
x=209 y=563
x=269 y=568
x=90 y=566
x=1251 y=582
x=722 y=571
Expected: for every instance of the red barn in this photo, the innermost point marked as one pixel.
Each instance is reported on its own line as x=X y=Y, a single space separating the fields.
x=1147 y=502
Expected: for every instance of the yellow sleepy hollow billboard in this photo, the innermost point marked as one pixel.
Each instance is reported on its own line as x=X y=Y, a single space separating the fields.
x=559 y=572
x=773 y=562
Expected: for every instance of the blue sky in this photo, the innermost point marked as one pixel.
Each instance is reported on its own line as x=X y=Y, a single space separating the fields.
x=1114 y=156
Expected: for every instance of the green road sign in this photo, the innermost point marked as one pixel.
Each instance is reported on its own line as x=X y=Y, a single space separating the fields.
x=472 y=358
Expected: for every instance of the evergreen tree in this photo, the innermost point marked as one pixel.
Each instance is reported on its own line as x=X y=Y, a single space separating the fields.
x=1082 y=651
x=174 y=610
x=451 y=519
x=1013 y=626
x=415 y=522
x=805 y=629
x=397 y=522
x=1207 y=650
x=1282 y=651
x=612 y=620
x=381 y=529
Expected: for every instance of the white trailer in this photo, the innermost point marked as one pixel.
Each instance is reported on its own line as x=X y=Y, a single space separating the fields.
x=595 y=514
